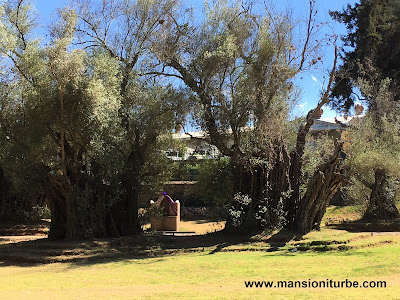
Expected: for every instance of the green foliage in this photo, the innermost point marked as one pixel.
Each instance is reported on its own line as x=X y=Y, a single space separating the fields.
x=374 y=151
x=244 y=64
x=215 y=181
x=375 y=139
x=36 y=214
x=156 y=211
x=372 y=65
x=373 y=30
x=318 y=149
x=245 y=217
x=87 y=110
x=63 y=112
x=271 y=218
x=182 y=149
x=185 y=170
x=357 y=193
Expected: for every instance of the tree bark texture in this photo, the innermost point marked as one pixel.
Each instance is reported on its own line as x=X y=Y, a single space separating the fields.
x=325 y=183
x=125 y=212
x=76 y=213
x=279 y=186
x=57 y=190
x=4 y=197
x=382 y=205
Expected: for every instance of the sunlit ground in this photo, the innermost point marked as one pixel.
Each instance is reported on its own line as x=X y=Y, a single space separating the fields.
x=211 y=266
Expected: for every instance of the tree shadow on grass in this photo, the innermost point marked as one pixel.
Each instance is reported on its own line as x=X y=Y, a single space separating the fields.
x=98 y=251
x=44 y=251
x=369 y=226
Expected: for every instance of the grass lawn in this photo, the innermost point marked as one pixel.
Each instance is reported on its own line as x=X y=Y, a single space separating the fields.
x=208 y=276
x=211 y=274
x=212 y=266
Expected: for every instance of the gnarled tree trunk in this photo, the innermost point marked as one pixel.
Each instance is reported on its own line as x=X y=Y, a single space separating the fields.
x=57 y=190
x=325 y=183
x=278 y=186
x=75 y=212
x=125 y=212
x=381 y=205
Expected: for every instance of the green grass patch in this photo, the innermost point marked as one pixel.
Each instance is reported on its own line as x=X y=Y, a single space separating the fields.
x=338 y=214
x=208 y=276
x=212 y=266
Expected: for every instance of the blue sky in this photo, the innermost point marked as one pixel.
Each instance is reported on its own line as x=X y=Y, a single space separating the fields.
x=311 y=82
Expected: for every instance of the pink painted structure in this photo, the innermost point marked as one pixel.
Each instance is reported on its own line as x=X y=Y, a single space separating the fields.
x=172 y=218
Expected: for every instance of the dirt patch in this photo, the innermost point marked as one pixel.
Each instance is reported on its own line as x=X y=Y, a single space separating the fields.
x=38 y=250
x=20 y=238
x=202 y=226
x=385 y=233
x=37 y=228
x=35 y=248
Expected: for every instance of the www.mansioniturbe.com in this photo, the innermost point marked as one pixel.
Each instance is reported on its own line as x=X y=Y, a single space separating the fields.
x=328 y=283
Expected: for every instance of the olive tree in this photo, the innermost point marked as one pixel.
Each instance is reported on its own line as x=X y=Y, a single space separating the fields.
x=370 y=64
x=123 y=31
x=55 y=117
x=240 y=68
x=374 y=147
x=21 y=60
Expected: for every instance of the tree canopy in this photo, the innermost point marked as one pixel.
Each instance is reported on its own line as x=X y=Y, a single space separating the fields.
x=86 y=115
x=371 y=64
x=371 y=45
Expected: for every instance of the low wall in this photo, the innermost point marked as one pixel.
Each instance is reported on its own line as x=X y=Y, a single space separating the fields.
x=167 y=223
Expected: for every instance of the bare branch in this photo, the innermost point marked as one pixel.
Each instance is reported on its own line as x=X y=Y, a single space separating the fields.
x=161 y=74
x=21 y=72
x=308 y=34
x=325 y=97
x=305 y=128
x=96 y=37
x=21 y=33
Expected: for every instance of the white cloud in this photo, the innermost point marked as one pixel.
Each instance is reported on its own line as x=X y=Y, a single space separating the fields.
x=301 y=105
x=313 y=78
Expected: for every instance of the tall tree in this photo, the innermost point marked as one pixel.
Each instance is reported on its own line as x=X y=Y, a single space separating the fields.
x=240 y=69
x=19 y=139
x=371 y=64
x=83 y=113
x=373 y=151
x=372 y=39
x=123 y=30
x=112 y=107
x=54 y=118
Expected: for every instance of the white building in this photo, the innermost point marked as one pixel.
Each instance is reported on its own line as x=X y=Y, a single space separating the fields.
x=198 y=148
